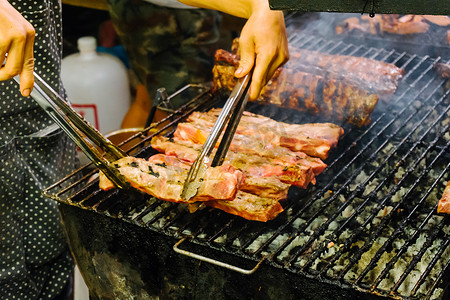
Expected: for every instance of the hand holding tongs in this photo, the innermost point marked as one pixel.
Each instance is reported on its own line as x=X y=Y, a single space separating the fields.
x=79 y=130
x=235 y=104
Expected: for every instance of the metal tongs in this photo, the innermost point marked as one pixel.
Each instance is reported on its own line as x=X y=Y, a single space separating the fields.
x=231 y=113
x=89 y=139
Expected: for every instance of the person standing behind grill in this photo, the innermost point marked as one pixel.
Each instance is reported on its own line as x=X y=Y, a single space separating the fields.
x=171 y=44
x=35 y=262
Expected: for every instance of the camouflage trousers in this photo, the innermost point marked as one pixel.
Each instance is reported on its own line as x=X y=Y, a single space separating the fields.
x=166 y=47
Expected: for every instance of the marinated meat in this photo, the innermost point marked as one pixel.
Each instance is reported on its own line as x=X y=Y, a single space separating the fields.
x=438 y=20
x=249 y=206
x=250 y=145
x=163 y=177
x=314 y=82
x=259 y=144
x=392 y=23
x=368 y=74
x=253 y=124
x=253 y=166
x=188 y=151
x=444 y=202
x=266 y=187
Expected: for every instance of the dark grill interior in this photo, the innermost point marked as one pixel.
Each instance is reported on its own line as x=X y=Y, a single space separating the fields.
x=370 y=222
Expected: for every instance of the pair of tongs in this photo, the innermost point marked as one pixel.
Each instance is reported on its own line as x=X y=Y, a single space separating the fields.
x=89 y=139
x=231 y=114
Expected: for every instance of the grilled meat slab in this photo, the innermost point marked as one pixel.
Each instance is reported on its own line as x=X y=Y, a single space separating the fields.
x=370 y=74
x=263 y=134
x=270 y=187
x=339 y=86
x=252 y=165
x=163 y=177
x=444 y=202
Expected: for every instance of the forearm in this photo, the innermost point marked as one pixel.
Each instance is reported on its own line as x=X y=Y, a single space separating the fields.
x=237 y=8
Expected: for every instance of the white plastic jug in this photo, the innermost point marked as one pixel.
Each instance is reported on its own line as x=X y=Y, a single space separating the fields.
x=97 y=86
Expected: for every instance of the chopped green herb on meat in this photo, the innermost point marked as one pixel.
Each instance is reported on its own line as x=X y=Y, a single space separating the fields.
x=150 y=170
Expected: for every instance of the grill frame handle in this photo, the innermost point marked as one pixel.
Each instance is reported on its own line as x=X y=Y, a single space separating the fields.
x=213 y=261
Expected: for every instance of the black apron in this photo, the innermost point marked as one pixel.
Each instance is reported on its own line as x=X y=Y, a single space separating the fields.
x=35 y=262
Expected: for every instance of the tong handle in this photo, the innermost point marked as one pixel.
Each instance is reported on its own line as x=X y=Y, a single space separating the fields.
x=79 y=122
x=233 y=123
x=223 y=118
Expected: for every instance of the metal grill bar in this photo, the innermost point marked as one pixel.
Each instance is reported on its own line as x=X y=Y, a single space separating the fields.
x=432 y=263
x=440 y=276
x=416 y=257
x=395 y=234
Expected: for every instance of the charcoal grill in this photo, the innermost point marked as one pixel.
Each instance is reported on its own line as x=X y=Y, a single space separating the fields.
x=368 y=228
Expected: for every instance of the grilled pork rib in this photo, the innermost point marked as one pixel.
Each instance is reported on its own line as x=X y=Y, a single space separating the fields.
x=257 y=142
x=163 y=177
x=372 y=75
x=254 y=166
x=339 y=86
x=268 y=186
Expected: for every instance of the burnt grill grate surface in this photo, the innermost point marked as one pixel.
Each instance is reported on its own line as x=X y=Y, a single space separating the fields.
x=369 y=223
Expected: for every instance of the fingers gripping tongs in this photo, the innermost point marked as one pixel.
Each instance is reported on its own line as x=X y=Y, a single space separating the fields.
x=231 y=113
x=89 y=139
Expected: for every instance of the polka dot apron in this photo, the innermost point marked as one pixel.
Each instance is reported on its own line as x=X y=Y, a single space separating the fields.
x=34 y=153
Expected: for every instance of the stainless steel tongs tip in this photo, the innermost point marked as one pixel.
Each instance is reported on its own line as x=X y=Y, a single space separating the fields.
x=231 y=113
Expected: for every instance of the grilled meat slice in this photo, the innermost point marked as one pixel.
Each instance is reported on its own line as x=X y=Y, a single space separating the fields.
x=314 y=93
x=249 y=206
x=392 y=24
x=255 y=141
x=163 y=177
x=305 y=91
x=444 y=202
x=269 y=129
x=249 y=145
x=369 y=74
x=271 y=137
x=253 y=166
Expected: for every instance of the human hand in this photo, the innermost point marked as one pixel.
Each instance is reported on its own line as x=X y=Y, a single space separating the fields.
x=16 y=47
x=263 y=45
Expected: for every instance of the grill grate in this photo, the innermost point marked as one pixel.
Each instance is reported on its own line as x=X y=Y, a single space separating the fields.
x=369 y=223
